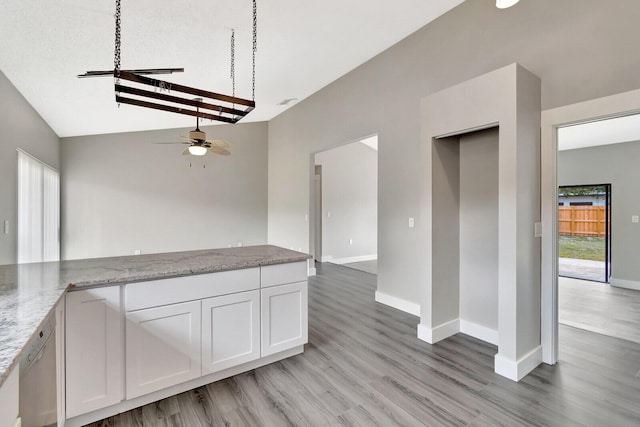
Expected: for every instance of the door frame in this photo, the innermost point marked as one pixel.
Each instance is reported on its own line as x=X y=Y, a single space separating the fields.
x=622 y=104
x=607 y=229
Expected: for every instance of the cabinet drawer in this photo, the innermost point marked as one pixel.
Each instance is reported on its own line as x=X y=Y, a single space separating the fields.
x=155 y=293
x=280 y=274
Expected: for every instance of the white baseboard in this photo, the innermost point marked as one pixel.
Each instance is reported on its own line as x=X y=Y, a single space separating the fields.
x=433 y=335
x=627 y=284
x=478 y=331
x=311 y=267
x=398 y=303
x=326 y=258
x=516 y=370
x=347 y=260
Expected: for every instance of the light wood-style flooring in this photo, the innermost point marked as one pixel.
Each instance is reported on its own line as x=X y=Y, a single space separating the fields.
x=600 y=308
x=364 y=366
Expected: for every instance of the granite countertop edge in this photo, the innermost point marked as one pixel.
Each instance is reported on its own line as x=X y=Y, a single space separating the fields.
x=133 y=278
x=26 y=314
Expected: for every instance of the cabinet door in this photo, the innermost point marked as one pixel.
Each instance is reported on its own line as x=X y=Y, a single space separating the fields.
x=284 y=317
x=163 y=347
x=93 y=350
x=230 y=330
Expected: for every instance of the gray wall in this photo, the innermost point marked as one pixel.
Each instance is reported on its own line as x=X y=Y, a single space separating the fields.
x=20 y=127
x=581 y=49
x=479 y=228
x=120 y=193
x=615 y=164
x=350 y=193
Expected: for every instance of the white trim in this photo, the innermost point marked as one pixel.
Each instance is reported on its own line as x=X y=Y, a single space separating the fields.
x=626 y=284
x=347 y=260
x=519 y=369
x=311 y=269
x=596 y=109
x=478 y=331
x=398 y=303
x=433 y=335
x=326 y=258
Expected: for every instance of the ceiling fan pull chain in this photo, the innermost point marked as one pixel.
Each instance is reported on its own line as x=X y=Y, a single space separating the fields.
x=255 y=48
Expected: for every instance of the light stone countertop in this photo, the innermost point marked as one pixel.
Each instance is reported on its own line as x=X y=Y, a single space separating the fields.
x=29 y=292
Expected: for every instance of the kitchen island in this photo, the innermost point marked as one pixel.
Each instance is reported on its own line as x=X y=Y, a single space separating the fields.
x=139 y=296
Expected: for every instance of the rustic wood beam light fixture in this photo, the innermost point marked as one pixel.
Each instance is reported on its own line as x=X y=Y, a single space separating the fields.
x=167 y=96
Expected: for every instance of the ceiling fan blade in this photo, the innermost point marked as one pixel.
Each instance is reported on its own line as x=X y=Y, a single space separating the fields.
x=220 y=143
x=177 y=142
x=186 y=152
x=219 y=150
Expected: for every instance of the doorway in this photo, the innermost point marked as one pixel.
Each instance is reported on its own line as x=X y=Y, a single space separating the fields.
x=596 y=292
x=584 y=232
x=344 y=205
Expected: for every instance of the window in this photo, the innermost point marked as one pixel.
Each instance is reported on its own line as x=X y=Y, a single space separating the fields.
x=38 y=210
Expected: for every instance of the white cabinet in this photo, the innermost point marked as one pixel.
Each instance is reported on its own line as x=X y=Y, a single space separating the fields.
x=162 y=347
x=284 y=317
x=230 y=330
x=93 y=350
x=9 y=397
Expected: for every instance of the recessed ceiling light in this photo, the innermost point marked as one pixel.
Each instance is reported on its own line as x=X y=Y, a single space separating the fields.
x=287 y=101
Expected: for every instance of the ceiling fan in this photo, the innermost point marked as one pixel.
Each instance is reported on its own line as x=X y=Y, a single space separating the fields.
x=197 y=142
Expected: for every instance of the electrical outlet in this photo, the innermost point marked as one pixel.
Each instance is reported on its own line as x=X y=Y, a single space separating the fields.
x=351 y=241
x=412 y=222
x=634 y=218
x=240 y=244
x=137 y=252
x=6 y=226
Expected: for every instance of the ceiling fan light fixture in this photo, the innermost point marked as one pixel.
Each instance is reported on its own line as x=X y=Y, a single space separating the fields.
x=197 y=150
x=504 y=4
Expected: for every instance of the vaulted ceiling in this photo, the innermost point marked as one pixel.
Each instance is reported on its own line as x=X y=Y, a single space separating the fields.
x=302 y=47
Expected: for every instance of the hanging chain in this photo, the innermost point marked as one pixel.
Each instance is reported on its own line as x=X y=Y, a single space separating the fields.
x=116 y=58
x=255 y=48
x=233 y=62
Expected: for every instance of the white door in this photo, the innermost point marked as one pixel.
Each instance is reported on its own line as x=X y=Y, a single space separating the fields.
x=93 y=350
x=230 y=330
x=163 y=347
x=284 y=317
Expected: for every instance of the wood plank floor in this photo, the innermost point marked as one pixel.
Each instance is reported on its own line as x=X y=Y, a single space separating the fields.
x=364 y=366
x=598 y=307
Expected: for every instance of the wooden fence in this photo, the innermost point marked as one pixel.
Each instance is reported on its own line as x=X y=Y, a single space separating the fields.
x=588 y=221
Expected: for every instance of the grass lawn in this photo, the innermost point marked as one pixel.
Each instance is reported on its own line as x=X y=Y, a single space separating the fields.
x=581 y=247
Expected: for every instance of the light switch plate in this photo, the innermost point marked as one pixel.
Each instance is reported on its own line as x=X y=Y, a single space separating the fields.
x=6 y=226
x=537 y=229
x=635 y=218
x=412 y=222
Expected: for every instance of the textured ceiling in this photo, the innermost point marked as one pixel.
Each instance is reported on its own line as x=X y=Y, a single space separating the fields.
x=302 y=47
